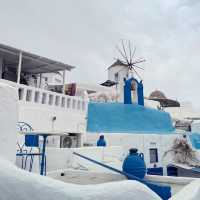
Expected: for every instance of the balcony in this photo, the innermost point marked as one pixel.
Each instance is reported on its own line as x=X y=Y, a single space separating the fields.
x=37 y=96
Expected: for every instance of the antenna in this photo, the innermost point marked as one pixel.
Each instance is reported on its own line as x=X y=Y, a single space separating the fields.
x=127 y=53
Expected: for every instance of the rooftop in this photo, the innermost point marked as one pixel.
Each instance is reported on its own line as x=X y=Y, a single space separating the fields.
x=159 y=96
x=31 y=63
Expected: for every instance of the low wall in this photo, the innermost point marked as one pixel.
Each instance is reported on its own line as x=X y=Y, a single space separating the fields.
x=65 y=159
x=85 y=177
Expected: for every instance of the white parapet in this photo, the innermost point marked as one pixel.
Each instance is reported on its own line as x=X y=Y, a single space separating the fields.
x=38 y=108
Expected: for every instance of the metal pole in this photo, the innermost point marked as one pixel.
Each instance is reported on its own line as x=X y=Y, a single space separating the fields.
x=64 y=73
x=43 y=154
x=19 y=67
x=130 y=176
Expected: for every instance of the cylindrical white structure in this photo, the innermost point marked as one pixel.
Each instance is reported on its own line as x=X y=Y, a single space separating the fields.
x=8 y=121
x=117 y=73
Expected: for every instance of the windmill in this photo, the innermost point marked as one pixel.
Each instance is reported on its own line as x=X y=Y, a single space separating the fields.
x=127 y=53
x=124 y=66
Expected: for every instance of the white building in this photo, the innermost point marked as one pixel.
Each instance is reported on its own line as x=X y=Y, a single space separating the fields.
x=40 y=108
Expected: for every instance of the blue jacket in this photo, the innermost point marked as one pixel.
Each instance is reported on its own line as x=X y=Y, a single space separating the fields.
x=101 y=143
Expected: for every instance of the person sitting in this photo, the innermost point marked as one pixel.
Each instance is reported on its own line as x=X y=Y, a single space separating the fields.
x=101 y=141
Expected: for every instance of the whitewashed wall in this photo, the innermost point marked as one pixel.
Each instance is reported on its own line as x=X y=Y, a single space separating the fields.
x=122 y=73
x=40 y=118
x=143 y=142
x=65 y=159
x=8 y=121
x=110 y=155
x=37 y=107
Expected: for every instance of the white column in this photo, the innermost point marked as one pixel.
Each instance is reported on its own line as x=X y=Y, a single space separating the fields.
x=64 y=73
x=1 y=67
x=40 y=81
x=19 y=67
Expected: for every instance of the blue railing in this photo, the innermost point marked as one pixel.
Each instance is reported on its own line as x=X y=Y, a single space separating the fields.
x=30 y=141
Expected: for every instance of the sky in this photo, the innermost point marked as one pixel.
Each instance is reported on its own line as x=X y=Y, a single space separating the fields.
x=85 y=34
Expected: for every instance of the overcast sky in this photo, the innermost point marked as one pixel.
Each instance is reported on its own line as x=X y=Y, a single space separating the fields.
x=84 y=33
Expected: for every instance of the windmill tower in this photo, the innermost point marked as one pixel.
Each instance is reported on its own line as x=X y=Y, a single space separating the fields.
x=125 y=67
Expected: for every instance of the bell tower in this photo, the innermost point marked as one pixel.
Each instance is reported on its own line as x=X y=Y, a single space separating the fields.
x=117 y=72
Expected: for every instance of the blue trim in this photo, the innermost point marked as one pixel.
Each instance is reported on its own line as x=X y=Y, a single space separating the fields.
x=195 y=140
x=196 y=169
x=127 y=118
x=43 y=155
x=32 y=140
x=140 y=94
x=155 y=171
x=127 y=92
x=172 y=171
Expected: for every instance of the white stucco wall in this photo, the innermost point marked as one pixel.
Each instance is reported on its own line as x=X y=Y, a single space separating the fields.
x=8 y=121
x=122 y=73
x=65 y=159
x=143 y=142
x=40 y=118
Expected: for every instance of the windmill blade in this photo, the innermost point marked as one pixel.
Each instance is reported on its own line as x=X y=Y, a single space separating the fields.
x=117 y=59
x=138 y=61
x=133 y=53
x=125 y=52
x=130 y=53
x=138 y=67
x=137 y=73
x=121 y=53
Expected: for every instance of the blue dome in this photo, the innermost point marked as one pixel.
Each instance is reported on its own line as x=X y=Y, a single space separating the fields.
x=134 y=164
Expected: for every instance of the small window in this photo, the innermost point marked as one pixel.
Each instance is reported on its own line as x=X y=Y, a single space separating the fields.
x=153 y=155
x=116 y=77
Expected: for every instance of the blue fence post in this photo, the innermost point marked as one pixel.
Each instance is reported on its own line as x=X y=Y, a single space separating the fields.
x=43 y=154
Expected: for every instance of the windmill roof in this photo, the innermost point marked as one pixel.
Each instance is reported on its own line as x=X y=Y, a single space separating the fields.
x=117 y=63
